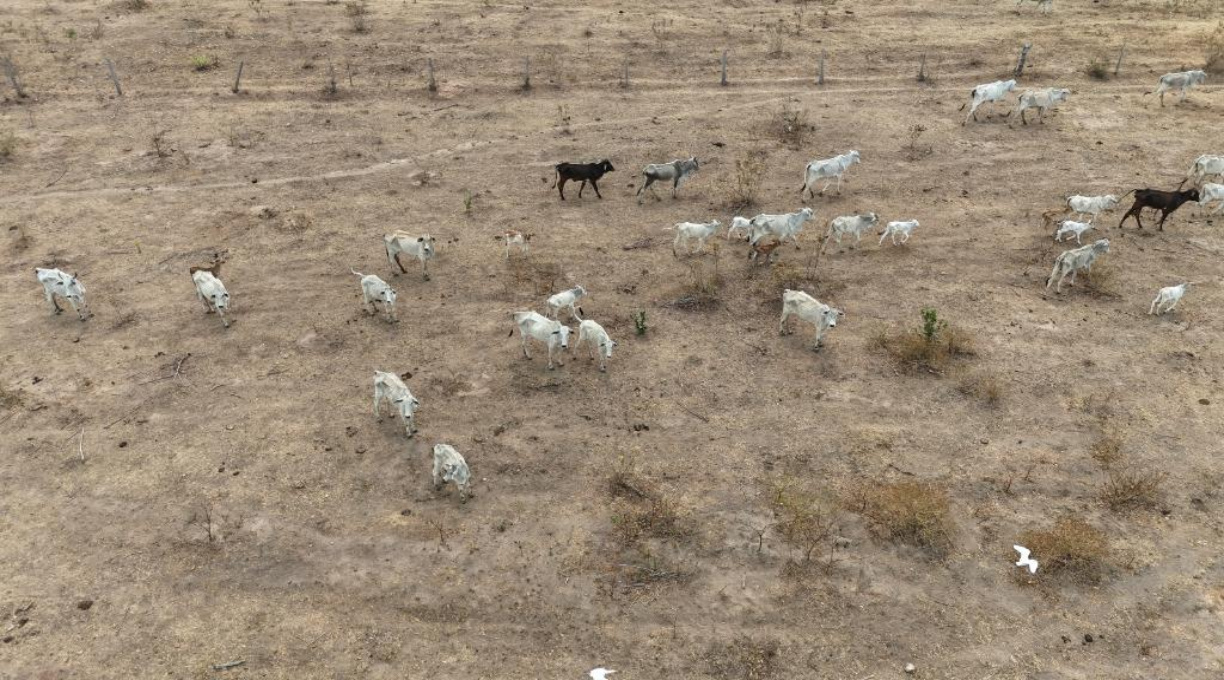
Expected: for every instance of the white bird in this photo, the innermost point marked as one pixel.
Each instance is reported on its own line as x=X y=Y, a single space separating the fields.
x=601 y=674
x=1025 y=560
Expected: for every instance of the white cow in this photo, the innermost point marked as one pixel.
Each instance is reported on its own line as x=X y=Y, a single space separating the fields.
x=1168 y=298
x=678 y=171
x=389 y=387
x=1205 y=166
x=211 y=293
x=1212 y=192
x=902 y=229
x=739 y=225
x=693 y=231
x=65 y=285
x=515 y=238
x=420 y=247
x=449 y=466
x=1045 y=6
x=375 y=290
x=1092 y=205
x=782 y=227
x=1072 y=261
x=826 y=169
x=1041 y=100
x=595 y=335
x=1072 y=228
x=808 y=308
x=1180 y=80
x=567 y=299
x=852 y=224
x=549 y=331
x=990 y=92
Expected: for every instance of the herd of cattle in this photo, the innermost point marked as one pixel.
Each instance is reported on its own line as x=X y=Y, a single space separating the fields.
x=763 y=233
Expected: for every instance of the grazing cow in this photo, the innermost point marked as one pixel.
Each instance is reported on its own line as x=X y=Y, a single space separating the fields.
x=693 y=231
x=1181 y=80
x=783 y=227
x=389 y=387
x=375 y=290
x=210 y=291
x=826 y=169
x=65 y=285
x=595 y=335
x=1212 y=192
x=546 y=330
x=581 y=172
x=1168 y=298
x=1040 y=100
x=1046 y=6
x=1072 y=228
x=1091 y=205
x=990 y=92
x=449 y=466
x=515 y=238
x=1205 y=166
x=567 y=299
x=678 y=171
x=808 y=308
x=902 y=229
x=1072 y=261
x=1165 y=201
x=762 y=248
x=851 y=224
x=739 y=225
x=421 y=247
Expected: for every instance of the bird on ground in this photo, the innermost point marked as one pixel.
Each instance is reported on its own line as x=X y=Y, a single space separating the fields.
x=1025 y=560
x=601 y=674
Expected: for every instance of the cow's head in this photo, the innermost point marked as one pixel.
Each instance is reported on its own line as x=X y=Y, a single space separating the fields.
x=830 y=316
x=1009 y=85
x=606 y=346
x=221 y=300
x=562 y=335
x=605 y=166
x=387 y=296
x=1197 y=76
x=853 y=156
x=1111 y=202
x=872 y=218
x=426 y=243
x=1191 y=195
x=406 y=405
x=806 y=213
x=1101 y=246
x=457 y=473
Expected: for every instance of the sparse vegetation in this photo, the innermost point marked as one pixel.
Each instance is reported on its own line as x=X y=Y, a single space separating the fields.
x=661 y=29
x=10 y=398
x=357 y=12
x=1102 y=280
x=928 y=348
x=204 y=62
x=257 y=7
x=914 y=149
x=1098 y=69
x=803 y=519
x=1131 y=488
x=703 y=289
x=639 y=322
x=564 y=119
x=744 y=658
x=1072 y=549
x=775 y=36
x=161 y=146
x=793 y=126
x=540 y=275
x=914 y=513
x=984 y=386
x=1106 y=451
x=467 y=201
x=1213 y=50
x=8 y=144
x=746 y=183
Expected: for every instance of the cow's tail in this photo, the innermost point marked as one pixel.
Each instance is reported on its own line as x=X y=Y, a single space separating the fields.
x=356 y=272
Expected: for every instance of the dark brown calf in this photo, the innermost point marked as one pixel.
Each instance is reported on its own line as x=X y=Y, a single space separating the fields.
x=581 y=172
x=1165 y=201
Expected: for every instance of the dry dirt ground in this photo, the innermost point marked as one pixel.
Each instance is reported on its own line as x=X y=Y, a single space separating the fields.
x=161 y=513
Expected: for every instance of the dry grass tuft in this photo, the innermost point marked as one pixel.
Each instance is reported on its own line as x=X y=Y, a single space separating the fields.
x=1214 y=51
x=1071 y=549
x=929 y=348
x=744 y=658
x=915 y=513
x=703 y=290
x=802 y=519
x=792 y=126
x=1098 y=69
x=8 y=144
x=540 y=275
x=1106 y=451
x=984 y=386
x=746 y=183
x=1131 y=489
x=640 y=510
x=1102 y=281
x=10 y=399
x=21 y=238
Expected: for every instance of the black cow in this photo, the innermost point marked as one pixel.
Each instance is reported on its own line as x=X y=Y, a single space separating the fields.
x=1164 y=201
x=581 y=172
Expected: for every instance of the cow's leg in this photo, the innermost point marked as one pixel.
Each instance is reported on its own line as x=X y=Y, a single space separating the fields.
x=203 y=300
x=561 y=186
x=55 y=308
x=523 y=339
x=582 y=188
x=425 y=269
x=676 y=243
x=377 y=403
x=595 y=186
x=1152 y=309
x=551 y=366
x=1173 y=306
x=399 y=264
x=224 y=321
x=1164 y=215
x=782 y=325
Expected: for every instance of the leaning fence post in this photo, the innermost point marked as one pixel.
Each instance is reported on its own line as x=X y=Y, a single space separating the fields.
x=723 y=81
x=625 y=77
x=820 y=75
x=1023 y=57
x=114 y=78
x=1121 y=52
x=922 y=69
x=526 y=73
x=431 y=84
x=238 y=78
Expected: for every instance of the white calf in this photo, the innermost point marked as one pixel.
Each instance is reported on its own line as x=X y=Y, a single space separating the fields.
x=449 y=466
x=694 y=231
x=375 y=290
x=852 y=224
x=808 y=308
x=594 y=334
x=902 y=229
x=566 y=299
x=1212 y=192
x=65 y=285
x=1168 y=296
x=1040 y=100
x=739 y=226
x=678 y=171
x=1205 y=166
x=515 y=238
x=990 y=92
x=549 y=331
x=389 y=387
x=1072 y=228
x=783 y=227
x=211 y=293
x=419 y=247
x=826 y=169
x=1071 y=261
x=1092 y=205
x=1181 y=80
x=1045 y=6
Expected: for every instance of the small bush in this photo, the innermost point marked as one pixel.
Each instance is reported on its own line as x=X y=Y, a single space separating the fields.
x=983 y=386
x=744 y=658
x=704 y=287
x=1106 y=451
x=1098 y=69
x=775 y=35
x=8 y=144
x=640 y=511
x=1214 y=51
x=203 y=62
x=749 y=171
x=1072 y=549
x=801 y=519
x=1102 y=281
x=21 y=238
x=10 y=399
x=357 y=12
x=1130 y=489
x=928 y=348
x=915 y=150
x=639 y=322
x=793 y=126
x=915 y=513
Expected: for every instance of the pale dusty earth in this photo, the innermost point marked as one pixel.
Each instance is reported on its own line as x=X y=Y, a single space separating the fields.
x=242 y=503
